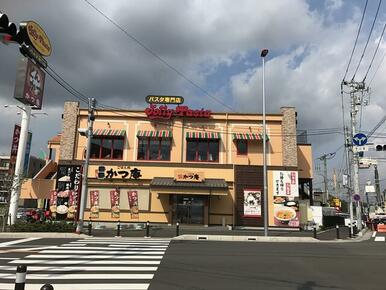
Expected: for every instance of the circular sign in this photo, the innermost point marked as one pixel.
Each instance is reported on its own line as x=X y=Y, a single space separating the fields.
x=356 y=197
x=38 y=38
x=359 y=139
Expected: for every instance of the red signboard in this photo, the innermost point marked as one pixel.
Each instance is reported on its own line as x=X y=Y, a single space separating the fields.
x=29 y=85
x=114 y=200
x=94 y=203
x=14 y=148
x=133 y=203
x=163 y=112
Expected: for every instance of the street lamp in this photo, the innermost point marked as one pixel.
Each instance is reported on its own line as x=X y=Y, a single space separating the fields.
x=263 y=54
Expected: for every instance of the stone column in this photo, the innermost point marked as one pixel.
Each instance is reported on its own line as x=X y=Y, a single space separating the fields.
x=70 y=127
x=290 y=157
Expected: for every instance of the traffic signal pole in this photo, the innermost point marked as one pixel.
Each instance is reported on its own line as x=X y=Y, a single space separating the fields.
x=17 y=178
x=83 y=195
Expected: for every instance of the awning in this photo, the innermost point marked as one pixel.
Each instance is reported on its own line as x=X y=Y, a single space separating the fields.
x=249 y=136
x=156 y=134
x=203 y=135
x=208 y=183
x=109 y=132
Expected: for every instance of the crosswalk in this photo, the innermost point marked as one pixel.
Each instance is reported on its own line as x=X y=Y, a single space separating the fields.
x=90 y=264
x=378 y=237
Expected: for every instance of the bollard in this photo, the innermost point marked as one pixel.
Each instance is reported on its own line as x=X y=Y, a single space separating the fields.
x=89 y=229
x=315 y=232
x=21 y=273
x=349 y=232
x=177 y=229
x=355 y=230
x=337 y=232
x=119 y=229
x=147 y=229
x=47 y=287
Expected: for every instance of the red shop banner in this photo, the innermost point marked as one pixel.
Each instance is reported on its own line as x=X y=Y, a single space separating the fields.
x=72 y=204
x=53 y=200
x=114 y=200
x=133 y=203
x=94 y=203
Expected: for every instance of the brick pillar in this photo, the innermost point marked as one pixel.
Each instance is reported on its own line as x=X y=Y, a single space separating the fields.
x=290 y=157
x=70 y=124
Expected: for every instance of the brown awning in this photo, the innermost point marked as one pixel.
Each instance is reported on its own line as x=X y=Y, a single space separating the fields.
x=208 y=183
x=37 y=188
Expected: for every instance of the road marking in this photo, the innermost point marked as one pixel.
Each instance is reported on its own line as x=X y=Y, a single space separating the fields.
x=57 y=257
x=118 y=249
x=150 y=252
x=374 y=234
x=22 y=250
x=87 y=262
x=101 y=276
x=138 y=246
x=76 y=268
x=14 y=242
x=119 y=243
x=109 y=286
x=379 y=239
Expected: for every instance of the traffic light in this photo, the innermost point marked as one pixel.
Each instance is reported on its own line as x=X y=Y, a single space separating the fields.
x=10 y=31
x=380 y=147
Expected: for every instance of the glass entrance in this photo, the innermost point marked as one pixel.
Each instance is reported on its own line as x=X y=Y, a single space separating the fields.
x=189 y=209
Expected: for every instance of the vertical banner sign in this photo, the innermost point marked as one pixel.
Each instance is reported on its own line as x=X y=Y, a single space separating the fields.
x=53 y=200
x=29 y=85
x=14 y=148
x=27 y=153
x=133 y=203
x=114 y=200
x=94 y=203
x=69 y=178
x=252 y=203
x=285 y=205
x=72 y=205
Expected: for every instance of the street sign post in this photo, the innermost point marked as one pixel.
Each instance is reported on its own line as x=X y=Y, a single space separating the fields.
x=359 y=139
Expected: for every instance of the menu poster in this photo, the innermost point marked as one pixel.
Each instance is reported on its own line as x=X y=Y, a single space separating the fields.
x=94 y=203
x=72 y=204
x=252 y=203
x=53 y=200
x=285 y=183
x=133 y=203
x=114 y=200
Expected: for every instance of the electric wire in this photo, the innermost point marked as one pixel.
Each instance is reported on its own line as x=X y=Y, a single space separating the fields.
x=162 y=60
x=368 y=39
x=376 y=71
x=375 y=53
x=356 y=40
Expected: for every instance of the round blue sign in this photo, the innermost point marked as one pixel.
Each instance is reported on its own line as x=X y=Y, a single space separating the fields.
x=356 y=197
x=359 y=139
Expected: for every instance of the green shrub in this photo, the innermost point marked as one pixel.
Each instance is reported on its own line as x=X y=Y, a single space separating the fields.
x=62 y=226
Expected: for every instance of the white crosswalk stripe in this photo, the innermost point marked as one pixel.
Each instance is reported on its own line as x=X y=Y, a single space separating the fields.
x=90 y=264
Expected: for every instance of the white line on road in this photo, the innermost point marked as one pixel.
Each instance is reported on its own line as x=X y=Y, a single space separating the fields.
x=14 y=242
x=118 y=249
x=379 y=239
x=8 y=259
x=109 y=286
x=120 y=243
x=137 y=245
x=89 y=257
x=374 y=234
x=150 y=252
x=87 y=262
x=98 y=276
x=80 y=268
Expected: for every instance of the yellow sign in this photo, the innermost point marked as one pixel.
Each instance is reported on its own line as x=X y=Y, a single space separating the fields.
x=192 y=176
x=38 y=38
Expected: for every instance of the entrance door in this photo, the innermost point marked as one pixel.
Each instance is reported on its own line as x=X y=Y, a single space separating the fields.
x=189 y=209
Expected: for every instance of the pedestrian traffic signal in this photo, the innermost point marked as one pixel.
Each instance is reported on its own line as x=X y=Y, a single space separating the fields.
x=380 y=147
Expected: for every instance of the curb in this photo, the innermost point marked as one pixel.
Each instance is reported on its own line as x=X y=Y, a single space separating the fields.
x=245 y=238
x=41 y=235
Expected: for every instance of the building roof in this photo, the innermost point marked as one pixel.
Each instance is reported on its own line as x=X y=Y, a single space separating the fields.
x=55 y=139
x=207 y=183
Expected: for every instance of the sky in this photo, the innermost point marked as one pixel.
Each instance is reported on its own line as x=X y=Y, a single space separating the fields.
x=208 y=52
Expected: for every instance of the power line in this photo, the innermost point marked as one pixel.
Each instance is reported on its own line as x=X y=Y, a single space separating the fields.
x=368 y=39
x=356 y=40
x=149 y=50
x=379 y=65
x=375 y=52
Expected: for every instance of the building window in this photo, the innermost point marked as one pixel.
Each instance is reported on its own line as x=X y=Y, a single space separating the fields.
x=242 y=147
x=106 y=147
x=154 y=148
x=202 y=150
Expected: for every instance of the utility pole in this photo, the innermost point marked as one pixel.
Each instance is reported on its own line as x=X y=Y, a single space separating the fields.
x=348 y=146
x=377 y=186
x=324 y=158
x=16 y=185
x=88 y=133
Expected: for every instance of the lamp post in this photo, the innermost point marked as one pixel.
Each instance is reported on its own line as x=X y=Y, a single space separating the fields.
x=263 y=54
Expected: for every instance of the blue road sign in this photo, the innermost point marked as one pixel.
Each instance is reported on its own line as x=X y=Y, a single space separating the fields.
x=359 y=139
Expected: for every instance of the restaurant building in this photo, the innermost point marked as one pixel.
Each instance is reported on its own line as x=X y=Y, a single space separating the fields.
x=168 y=165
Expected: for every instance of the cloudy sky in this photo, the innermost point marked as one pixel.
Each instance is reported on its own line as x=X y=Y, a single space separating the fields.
x=203 y=48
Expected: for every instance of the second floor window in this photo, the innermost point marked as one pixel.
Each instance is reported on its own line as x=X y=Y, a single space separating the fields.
x=242 y=147
x=202 y=150
x=154 y=148
x=106 y=148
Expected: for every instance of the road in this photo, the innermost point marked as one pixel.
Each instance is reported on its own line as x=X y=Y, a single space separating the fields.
x=157 y=264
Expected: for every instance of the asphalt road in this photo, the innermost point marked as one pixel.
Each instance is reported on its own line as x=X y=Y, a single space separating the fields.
x=249 y=265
